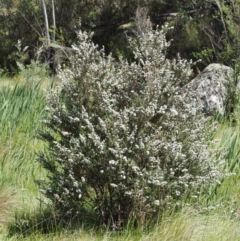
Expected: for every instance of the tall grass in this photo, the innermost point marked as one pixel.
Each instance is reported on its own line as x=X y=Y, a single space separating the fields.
x=20 y=115
x=187 y=225
x=22 y=104
x=228 y=191
x=7 y=201
x=230 y=140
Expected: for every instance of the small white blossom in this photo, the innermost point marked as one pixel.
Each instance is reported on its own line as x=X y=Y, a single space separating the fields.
x=76 y=119
x=65 y=133
x=174 y=111
x=112 y=162
x=75 y=184
x=83 y=179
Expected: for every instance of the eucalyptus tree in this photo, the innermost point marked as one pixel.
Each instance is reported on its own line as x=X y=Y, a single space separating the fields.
x=19 y=20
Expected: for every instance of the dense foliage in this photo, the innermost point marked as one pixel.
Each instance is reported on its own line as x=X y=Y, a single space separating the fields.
x=202 y=29
x=122 y=142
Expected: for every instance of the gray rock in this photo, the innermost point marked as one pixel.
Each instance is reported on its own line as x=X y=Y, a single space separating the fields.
x=208 y=90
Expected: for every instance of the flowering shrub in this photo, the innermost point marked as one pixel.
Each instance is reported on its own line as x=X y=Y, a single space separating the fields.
x=122 y=143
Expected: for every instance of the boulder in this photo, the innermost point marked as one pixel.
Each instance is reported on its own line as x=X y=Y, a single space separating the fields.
x=208 y=91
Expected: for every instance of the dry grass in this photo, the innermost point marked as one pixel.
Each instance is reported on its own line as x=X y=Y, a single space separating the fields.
x=8 y=205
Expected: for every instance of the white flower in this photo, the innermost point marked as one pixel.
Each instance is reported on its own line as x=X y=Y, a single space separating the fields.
x=56 y=196
x=65 y=133
x=174 y=112
x=112 y=162
x=178 y=193
x=66 y=190
x=70 y=160
x=75 y=184
x=76 y=119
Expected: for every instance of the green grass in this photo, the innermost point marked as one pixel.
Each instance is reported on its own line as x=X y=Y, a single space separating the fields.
x=21 y=112
x=22 y=103
x=187 y=225
x=213 y=215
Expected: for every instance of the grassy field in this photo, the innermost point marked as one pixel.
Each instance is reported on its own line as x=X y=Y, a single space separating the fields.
x=213 y=215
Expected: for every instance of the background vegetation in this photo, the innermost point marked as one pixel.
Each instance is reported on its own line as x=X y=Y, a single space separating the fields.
x=203 y=29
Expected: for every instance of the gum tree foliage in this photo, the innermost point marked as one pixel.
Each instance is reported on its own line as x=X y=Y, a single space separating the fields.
x=122 y=143
x=102 y=17
x=199 y=26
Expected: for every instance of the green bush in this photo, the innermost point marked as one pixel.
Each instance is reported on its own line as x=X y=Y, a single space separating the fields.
x=122 y=143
